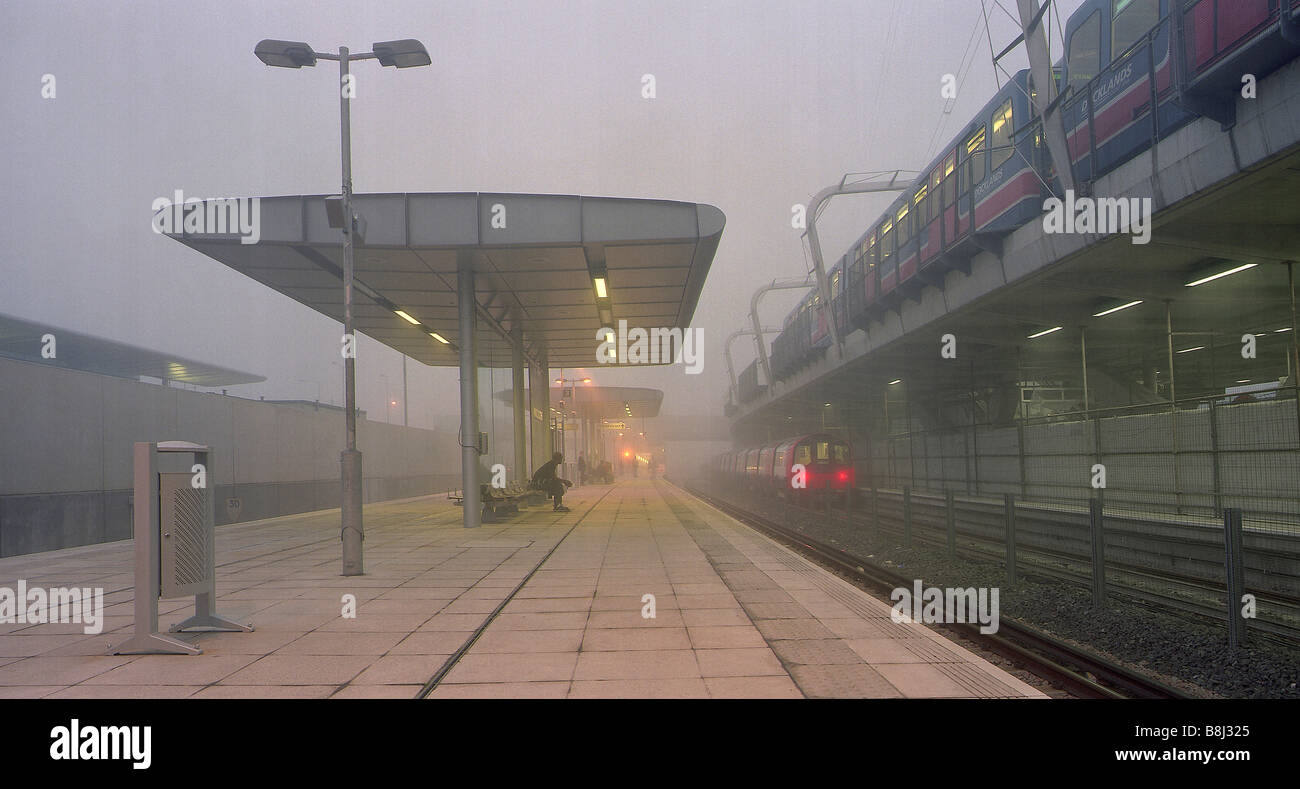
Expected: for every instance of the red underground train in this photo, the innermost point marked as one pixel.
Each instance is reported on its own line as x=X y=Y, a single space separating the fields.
x=826 y=461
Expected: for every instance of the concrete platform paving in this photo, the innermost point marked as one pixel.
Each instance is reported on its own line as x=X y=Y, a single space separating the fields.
x=736 y=615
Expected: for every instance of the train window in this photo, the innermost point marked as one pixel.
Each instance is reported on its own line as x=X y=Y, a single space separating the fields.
x=919 y=202
x=975 y=148
x=904 y=227
x=835 y=285
x=841 y=453
x=871 y=250
x=823 y=450
x=1000 y=142
x=1130 y=20
x=1084 y=58
x=802 y=454
x=886 y=240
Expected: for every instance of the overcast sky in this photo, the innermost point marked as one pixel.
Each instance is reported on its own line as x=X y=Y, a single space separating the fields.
x=760 y=104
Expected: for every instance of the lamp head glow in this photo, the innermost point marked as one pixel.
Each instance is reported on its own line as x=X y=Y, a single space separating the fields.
x=435 y=335
x=406 y=317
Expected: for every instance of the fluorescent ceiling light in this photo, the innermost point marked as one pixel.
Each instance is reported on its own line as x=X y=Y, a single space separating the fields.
x=406 y=317
x=1045 y=331
x=1279 y=331
x=896 y=381
x=435 y=335
x=1213 y=277
x=1116 y=309
x=601 y=292
x=1189 y=350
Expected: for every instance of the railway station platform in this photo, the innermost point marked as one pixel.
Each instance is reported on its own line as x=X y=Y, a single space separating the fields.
x=543 y=605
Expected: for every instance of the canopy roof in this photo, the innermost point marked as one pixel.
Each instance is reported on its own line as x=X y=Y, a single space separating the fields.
x=535 y=257
x=22 y=339
x=602 y=402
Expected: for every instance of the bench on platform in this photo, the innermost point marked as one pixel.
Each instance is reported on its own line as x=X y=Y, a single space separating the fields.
x=501 y=500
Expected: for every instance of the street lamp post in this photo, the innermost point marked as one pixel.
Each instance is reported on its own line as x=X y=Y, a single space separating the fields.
x=405 y=53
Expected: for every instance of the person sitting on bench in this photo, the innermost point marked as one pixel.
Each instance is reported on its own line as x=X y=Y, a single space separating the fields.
x=546 y=480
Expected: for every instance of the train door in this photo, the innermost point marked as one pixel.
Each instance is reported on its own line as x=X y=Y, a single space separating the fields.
x=971 y=170
x=888 y=262
x=803 y=457
x=853 y=303
x=838 y=308
x=927 y=218
x=906 y=242
x=871 y=279
x=948 y=200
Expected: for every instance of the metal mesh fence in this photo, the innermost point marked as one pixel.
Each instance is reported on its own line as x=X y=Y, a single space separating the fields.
x=1191 y=459
x=1151 y=482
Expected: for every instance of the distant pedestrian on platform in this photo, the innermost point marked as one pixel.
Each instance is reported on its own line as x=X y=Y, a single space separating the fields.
x=546 y=480
x=582 y=469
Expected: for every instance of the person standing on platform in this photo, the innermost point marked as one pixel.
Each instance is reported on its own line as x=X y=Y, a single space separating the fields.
x=545 y=479
x=582 y=469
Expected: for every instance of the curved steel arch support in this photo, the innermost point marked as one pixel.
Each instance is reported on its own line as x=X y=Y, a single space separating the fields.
x=814 y=241
x=726 y=351
x=756 y=327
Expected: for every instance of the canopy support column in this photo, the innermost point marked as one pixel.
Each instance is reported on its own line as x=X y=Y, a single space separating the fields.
x=466 y=302
x=521 y=411
x=539 y=388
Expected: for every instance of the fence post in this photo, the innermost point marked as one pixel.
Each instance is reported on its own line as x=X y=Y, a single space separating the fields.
x=1234 y=565
x=1095 y=525
x=1214 y=458
x=1097 y=453
x=952 y=525
x=875 y=509
x=907 y=515
x=1009 y=505
x=1020 y=449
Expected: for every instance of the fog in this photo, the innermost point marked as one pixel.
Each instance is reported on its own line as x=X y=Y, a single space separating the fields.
x=758 y=106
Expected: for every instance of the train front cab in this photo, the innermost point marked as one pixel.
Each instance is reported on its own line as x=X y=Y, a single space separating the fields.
x=828 y=465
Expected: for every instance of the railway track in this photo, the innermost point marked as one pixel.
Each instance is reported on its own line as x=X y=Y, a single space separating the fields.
x=1076 y=670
